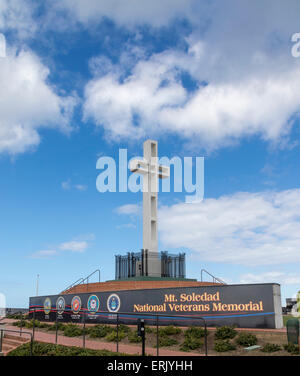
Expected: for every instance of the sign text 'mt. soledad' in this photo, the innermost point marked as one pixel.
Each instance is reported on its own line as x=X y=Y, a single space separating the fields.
x=198 y=303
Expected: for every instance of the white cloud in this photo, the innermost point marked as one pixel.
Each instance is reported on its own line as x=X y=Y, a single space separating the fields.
x=66 y=185
x=216 y=114
x=126 y=13
x=28 y=103
x=77 y=245
x=128 y=209
x=246 y=82
x=17 y=15
x=81 y=187
x=45 y=254
x=74 y=246
x=278 y=277
x=126 y=226
x=244 y=228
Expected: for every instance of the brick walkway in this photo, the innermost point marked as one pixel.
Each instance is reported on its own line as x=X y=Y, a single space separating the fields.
x=97 y=345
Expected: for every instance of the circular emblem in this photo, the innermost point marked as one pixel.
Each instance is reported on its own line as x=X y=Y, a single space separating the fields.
x=93 y=304
x=60 y=305
x=113 y=303
x=76 y=304
x=47 y=306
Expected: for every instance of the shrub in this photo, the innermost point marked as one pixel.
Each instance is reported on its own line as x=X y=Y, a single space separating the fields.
x=133 y=337
x=99 y=331
x=270 y=347
x=72 y=330
x=149 y=330
x=194 y=331
x=165 y=341
x=292 y=348
x=224 y=345
x=47 y=349
x=191 y=343
x=124 y=328
x=52 y=328
x=246 y=339
x=112 y=336
x=225 y=332
x=169 y=330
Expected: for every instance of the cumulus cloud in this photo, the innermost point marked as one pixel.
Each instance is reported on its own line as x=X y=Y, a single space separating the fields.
x=128 y=209
x=275 y=276
x=245 y=82
x=126 y=13
x=244 y=228
x=17 y=16
x=77 y=245
x=74 y=246
x=44 y=254
x=28 y=103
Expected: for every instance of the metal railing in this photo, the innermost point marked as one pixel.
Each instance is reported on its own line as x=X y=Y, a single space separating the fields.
x=74 y=284
x=215 y=279
x=15 y=331
x=89 y=276
x=121 y=316
x=81 y=281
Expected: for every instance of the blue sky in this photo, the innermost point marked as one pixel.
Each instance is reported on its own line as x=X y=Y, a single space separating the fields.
x=82 y=79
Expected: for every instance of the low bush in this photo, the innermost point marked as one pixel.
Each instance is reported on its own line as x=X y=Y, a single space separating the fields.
x=47 y=349
x=166 y=341
x=246 y=339
x=112 y=336
x=52 y=328
x=225 y=332
x=224 y=345
x=133 y=337
x=194 y=331
x=72 y=330
x=124 y=328
x=149 y=330
x=191 y=343
x=270 y=347
x=169 y=330
x=99 y=331
x=292 y=348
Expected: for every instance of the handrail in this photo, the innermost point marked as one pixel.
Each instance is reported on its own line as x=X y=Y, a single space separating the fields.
x=95 y=271
x=82 y=280
x=74 y=284
x=215 y=279
x=15 y=331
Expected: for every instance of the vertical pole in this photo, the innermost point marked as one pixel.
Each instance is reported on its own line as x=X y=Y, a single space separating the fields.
x=56 y=327
x=21 y=326
x=31 y=346
x=205 y=328
x=157 y=341
x=83 y=339
x=33 y=326
x=1 y=340
x=117 y=332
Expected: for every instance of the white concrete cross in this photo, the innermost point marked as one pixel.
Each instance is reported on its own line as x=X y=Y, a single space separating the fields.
x=151 y=171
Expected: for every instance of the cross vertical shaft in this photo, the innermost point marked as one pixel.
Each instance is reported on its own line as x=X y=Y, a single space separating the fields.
x=151 y=171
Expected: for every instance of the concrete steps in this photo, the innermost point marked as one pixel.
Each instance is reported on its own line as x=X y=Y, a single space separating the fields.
x=11 y=342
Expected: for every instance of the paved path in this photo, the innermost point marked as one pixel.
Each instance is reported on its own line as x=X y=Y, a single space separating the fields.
x=97 y=345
